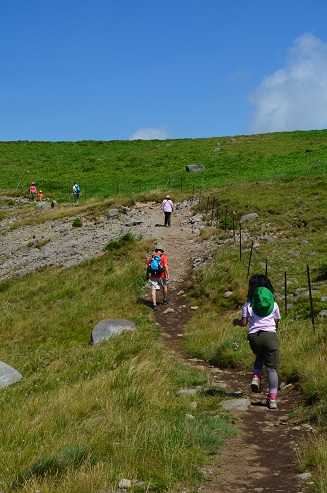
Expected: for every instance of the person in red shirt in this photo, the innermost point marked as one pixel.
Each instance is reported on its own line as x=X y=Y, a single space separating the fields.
x=158 y=279
x=33 y=191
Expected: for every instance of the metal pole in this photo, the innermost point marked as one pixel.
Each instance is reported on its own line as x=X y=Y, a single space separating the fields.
x=234 y=239
x=212 y=210
x=250 y=259
x=207 y=206
x=310 y=295
x=225 y=226
x=285 y=293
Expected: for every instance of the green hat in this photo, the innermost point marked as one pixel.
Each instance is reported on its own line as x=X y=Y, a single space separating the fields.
x=159 y=248
x=262 y=302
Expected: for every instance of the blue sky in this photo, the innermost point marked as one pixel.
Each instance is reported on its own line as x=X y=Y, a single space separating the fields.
x=121 y=69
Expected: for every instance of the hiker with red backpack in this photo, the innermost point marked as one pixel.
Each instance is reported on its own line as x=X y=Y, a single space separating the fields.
x=157 y=273
x=261 y=313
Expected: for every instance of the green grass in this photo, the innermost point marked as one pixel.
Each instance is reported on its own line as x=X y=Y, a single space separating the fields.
x=105 y=169
x=83 y=417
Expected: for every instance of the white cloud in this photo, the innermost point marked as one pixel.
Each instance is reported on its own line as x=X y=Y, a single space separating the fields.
x=294 y=97
x=150 y=134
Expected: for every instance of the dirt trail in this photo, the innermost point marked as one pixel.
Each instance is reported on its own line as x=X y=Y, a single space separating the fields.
x=263 y=457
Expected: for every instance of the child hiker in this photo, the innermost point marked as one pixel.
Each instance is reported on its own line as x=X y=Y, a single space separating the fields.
x=261 y=313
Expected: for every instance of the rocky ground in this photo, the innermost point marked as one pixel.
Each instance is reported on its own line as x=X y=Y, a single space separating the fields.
x=263 y=457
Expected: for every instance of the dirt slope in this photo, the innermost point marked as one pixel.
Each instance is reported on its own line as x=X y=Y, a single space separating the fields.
x=263 y=458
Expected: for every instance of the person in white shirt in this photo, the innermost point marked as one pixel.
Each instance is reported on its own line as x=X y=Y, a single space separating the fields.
x=261 y=313
x=167 y=207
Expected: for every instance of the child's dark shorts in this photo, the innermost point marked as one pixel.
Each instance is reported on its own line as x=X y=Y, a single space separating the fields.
x=264 y=344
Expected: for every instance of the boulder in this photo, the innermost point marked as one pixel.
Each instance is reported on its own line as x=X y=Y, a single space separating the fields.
x=195 y=167
x=43 y=206
x=112 y=213
x=248 y=217
x=8 y=375
x=108 y=328
x=236 y=404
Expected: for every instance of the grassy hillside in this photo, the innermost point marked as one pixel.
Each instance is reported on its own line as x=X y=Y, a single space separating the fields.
x=104 y=168
x=83 y=417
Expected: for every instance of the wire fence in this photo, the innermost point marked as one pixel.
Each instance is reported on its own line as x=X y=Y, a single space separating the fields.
x=219 y=216
x=190 y=182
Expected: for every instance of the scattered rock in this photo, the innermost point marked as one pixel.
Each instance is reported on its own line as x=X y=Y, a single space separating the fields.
x=112 y=213
x=195 y=167
x=187 y=392
x=125 y=483
x=248 y=217
x=107 y=328
x=8 y=375
x=236 y=404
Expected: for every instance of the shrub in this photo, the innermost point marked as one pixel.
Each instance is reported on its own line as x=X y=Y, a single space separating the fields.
x=126 y=239
x=77 y=223
x=323 y=270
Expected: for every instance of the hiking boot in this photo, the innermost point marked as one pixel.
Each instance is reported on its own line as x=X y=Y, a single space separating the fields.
x=154 y=307
x=166 y=301
x=256 y=384
x=272 y=402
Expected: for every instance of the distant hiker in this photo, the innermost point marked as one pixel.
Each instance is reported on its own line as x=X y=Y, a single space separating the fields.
x=167 y=207
x=76 y=192
x=262 y=314
x=33 y=190
x=158 y=275
x=40 y=195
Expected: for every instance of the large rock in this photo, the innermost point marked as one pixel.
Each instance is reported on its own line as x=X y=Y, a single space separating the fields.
x=43 y=206
x=236 y=404
x=108 y=328
x=112 y=213
x=8 y=375
x=248 y=217
x=195 y=167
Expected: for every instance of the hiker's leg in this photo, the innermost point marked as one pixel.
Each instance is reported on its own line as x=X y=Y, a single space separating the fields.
x=164 y=285
x=271 y=361
x=154 y=287
x=166 y=218
x=257 y=367
x=154 y=296
x=169 y=216
x=272 y=381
